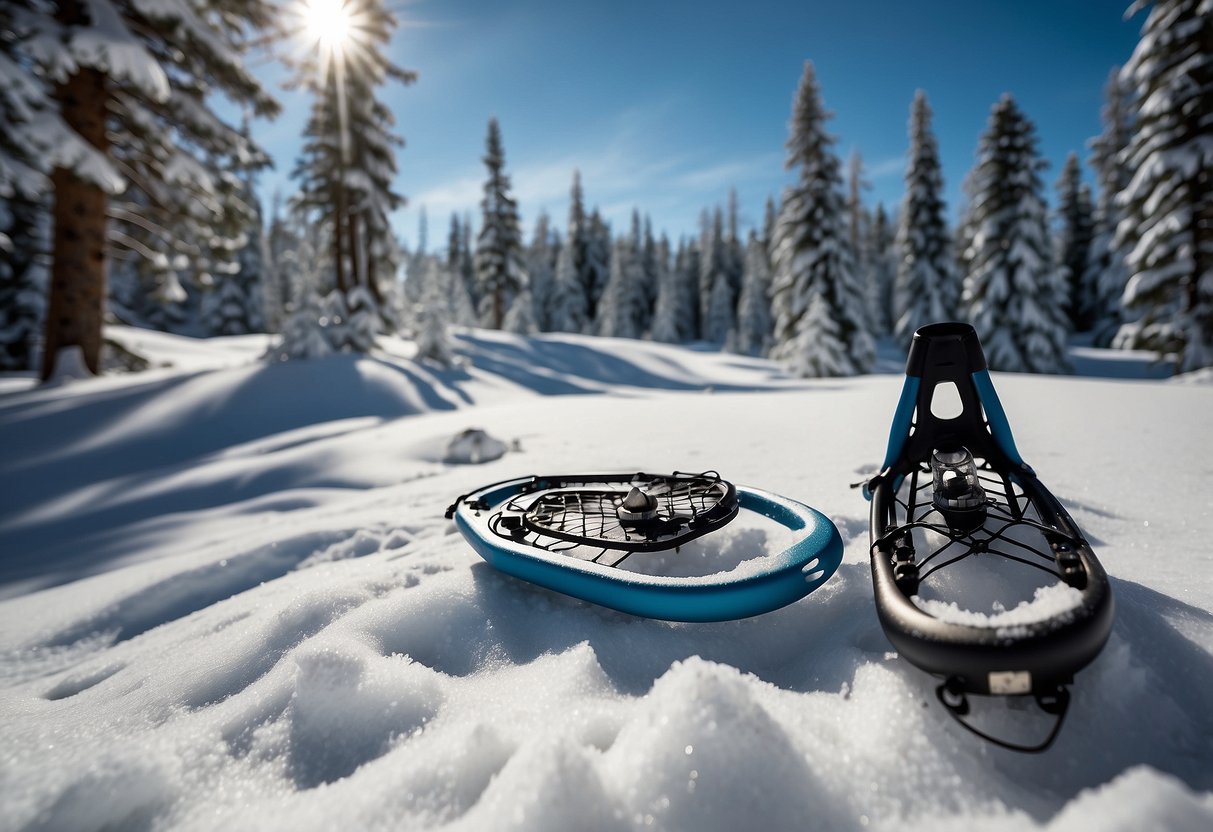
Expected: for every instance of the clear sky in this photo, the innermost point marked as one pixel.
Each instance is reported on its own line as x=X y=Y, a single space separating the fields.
x=666 y=105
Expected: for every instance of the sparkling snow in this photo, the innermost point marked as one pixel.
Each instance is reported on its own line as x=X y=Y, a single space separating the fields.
x=229 y=599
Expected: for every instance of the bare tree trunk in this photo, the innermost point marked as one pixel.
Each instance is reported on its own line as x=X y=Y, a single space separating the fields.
x=77 y=292
x=356 y=252
x=339 y=221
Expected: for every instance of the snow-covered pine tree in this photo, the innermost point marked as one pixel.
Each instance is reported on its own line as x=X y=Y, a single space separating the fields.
x=597 y=269
x=24 y=106
x=1014 y=295
x=541 y=268
x=1106 y=273
x=859 y=225
x=820 y=321
x=432 y=318
x=620 y=310
x=462 y=311
x=734 y=249
x=569 y=312
x=462 y=263
x=500 y=273
x=567 y=309
x=1166 y=229
x=354 y=322
x=650 y=279
x=133 y=85
x=769 y=217
x=23 y=245
x=717 y=301
x=753 y=333
x=520 y=319
x=234 y=304
x=282 y=242
x=676 y=318
x=1073 y=245
x=882 y=265
x=349 y=156
x=306 y=322
x=927 y=286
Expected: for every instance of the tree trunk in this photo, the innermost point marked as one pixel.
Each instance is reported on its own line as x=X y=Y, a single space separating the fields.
x=77 y=292
x=359 y=278
x=339 y=221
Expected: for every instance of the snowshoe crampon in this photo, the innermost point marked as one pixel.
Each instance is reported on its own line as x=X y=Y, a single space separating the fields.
x=954 y=496
x=583 y=535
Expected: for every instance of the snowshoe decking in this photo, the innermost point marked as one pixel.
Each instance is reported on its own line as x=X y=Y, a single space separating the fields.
x=953 y=487
x=572 y=533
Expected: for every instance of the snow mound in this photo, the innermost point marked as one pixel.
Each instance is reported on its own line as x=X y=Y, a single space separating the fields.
x=229 y=599
x=474 y=446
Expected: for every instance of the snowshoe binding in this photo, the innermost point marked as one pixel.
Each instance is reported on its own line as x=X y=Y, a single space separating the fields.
x=954 y=496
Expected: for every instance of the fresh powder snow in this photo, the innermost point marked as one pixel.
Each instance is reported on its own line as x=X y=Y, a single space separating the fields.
x=229 y=599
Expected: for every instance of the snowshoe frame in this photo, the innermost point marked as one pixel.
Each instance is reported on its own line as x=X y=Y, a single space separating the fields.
x=1039 y=658
x=510 y=525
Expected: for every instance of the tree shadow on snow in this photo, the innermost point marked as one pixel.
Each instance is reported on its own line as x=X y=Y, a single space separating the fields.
x=103 y=448
x=564 y=364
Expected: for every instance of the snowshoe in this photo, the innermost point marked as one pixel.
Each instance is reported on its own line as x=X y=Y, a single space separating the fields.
x=583 y=535
x=954 y=495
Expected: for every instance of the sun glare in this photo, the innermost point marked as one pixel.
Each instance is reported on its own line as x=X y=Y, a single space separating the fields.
x=328 y=21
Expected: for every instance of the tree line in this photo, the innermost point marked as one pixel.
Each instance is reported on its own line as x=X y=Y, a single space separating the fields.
x=116 y=165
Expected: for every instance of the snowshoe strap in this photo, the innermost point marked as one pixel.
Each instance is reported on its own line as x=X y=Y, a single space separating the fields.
x=1055 y=702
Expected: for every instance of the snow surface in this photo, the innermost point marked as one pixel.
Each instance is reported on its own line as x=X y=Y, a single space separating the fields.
x=229 y=599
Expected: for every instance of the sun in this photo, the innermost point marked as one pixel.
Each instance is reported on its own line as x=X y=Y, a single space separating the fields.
x=328 y=22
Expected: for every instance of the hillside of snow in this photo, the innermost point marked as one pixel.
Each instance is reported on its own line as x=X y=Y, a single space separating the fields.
x=229 y=599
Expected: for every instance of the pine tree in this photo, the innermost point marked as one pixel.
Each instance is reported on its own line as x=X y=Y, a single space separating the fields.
x=1014 y=294
x=25 y=109
x=882 y=264
x=1106 y=273
x=541 y=267
x=23 y=278
x=520 y=319
x=753 y=332
x=1167 y=226
x=620 y=311
x=734 y=251
x=859 y=225
x=234 y=304
x=577 y=309
x=1074 y=241
x=433 y=321
x=349 y=157
x=675 y=319
x=500 y=273
x=568 y=307
x=305 y=325
x=274 y=281
x=769 y=218
x=650 y=279
x=462 y=310
x=133 y=87
x=716 y=298
x=927 y=286
x=596 y=272
x=820 y=323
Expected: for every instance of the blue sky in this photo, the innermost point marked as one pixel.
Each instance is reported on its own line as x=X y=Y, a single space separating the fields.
x=666 y=105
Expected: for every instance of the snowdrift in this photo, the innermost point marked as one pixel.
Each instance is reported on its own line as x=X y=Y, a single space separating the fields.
x=228 y=598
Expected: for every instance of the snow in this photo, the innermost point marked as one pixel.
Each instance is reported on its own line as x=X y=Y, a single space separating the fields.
x=229 y=599
x=1047 y=602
